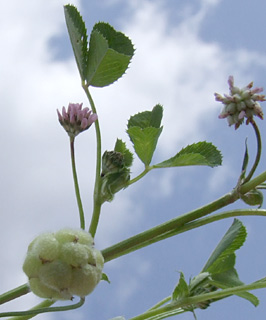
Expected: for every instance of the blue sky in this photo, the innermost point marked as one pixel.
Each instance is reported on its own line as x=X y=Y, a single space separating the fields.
x=185 y=51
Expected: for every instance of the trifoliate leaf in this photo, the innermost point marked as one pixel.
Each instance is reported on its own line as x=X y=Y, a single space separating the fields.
x=78 y=37
x=109 y=55
x=201 y=154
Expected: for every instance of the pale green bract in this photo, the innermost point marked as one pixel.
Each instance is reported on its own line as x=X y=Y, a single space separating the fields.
x=63 y=264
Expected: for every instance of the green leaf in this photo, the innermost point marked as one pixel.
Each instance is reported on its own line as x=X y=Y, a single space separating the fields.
x=246 y=158
x=116 y=40
x=115 y=170
x=78 y=37
x=222 y=257
x=109 y=55
x=181 y=290
x=222 y=261
x=105 y=278
x=201 y=154
x=112 y=183
x=230 y=279
x=250 y=297
x=120 y=146
x=147 y=118
x=145 y=142
x=144 y=131
x=198 y=281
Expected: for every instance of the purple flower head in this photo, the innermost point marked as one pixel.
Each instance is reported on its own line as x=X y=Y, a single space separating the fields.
x=240 y=103
x=75 y=119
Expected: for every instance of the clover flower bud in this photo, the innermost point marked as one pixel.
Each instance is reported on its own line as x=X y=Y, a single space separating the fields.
x=240 y=103
x=112 y=161
x=63 y=264
x=253 y=198
x=75 y=119
x=115 y=174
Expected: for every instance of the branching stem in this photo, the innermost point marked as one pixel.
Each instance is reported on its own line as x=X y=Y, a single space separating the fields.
x=141 y=175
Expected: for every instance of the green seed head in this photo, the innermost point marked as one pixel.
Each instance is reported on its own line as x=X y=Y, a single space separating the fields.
x=63 y=264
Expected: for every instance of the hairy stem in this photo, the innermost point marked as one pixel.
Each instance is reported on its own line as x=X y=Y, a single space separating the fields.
x=75 y=177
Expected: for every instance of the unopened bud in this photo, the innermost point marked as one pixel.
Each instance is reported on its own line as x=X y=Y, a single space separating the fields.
x=253 y=198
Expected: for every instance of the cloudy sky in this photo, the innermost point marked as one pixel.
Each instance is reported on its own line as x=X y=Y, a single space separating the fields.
x=185 y=51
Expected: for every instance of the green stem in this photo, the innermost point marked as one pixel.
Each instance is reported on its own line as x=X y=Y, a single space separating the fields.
x=95 y=218
x=141 y=175
x=145 y=238
x=97 y=186
x=252 y=184
x=75 y=177
x=43 y=307
x=190 y=301
x=44 y=304
x=17 y=292
x=132 y=244
x=257 y=159
x=14 y=293
x=160 y=232
x=213 y=218
x=161 y=303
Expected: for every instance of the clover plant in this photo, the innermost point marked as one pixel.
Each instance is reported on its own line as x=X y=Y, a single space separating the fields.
x=67 y=263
